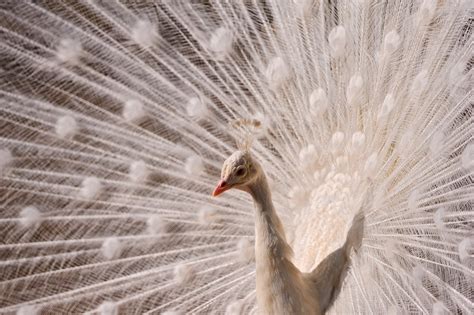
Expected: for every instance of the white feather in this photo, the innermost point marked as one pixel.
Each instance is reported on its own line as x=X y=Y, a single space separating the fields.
x=194 y=165
x=138 y=171
x=69 y=51
x=245 y=250
x=196 y=108
x=133 y=111
x=111 y=248
x=30 y=216
x=183 y=274
x=28 y=310
x=318 y=102
x=66 y=127
x=90 y=188
x=116 y=116
x=337 y=40
x=391 y=42
x=234 y=308
x=156 y=224
x=277 y=72
x=221 y=42
x=207 y=215
x=144 y=33
x=108 y=308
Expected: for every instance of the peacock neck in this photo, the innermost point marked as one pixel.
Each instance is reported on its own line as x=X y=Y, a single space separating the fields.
x=261 y=194
x=278 y=280
x=269 y=232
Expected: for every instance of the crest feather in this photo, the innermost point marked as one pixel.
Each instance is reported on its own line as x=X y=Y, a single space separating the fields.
x=247 y=128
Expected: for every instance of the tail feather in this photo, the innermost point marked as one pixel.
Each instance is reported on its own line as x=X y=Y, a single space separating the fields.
x=114 y=122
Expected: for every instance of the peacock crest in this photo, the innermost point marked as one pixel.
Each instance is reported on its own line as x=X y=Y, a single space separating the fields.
x=247 y=130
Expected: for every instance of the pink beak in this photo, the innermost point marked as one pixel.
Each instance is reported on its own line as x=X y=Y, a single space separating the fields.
x=220 y=188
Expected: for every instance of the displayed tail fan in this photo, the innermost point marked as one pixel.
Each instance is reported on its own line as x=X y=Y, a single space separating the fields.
x=115 y=118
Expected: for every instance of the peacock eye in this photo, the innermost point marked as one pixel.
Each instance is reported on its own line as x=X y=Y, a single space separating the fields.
x=240 y=171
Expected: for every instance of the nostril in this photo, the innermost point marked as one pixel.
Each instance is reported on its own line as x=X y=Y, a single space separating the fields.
x=223 y=183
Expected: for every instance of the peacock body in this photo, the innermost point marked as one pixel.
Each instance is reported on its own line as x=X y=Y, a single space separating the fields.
x=115 y=118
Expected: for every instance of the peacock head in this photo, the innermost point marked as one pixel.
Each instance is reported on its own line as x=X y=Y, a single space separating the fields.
x=238 y=171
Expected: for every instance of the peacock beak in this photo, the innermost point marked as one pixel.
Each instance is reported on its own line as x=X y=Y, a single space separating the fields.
x=220 y=188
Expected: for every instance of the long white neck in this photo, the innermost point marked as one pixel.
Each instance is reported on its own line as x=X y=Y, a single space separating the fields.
x=280 y=286
x=270 y=235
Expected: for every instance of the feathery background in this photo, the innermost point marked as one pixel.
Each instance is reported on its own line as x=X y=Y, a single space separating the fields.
x=115 y=118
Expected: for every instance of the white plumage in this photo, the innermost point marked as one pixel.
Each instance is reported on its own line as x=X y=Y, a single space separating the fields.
x=115 y=118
